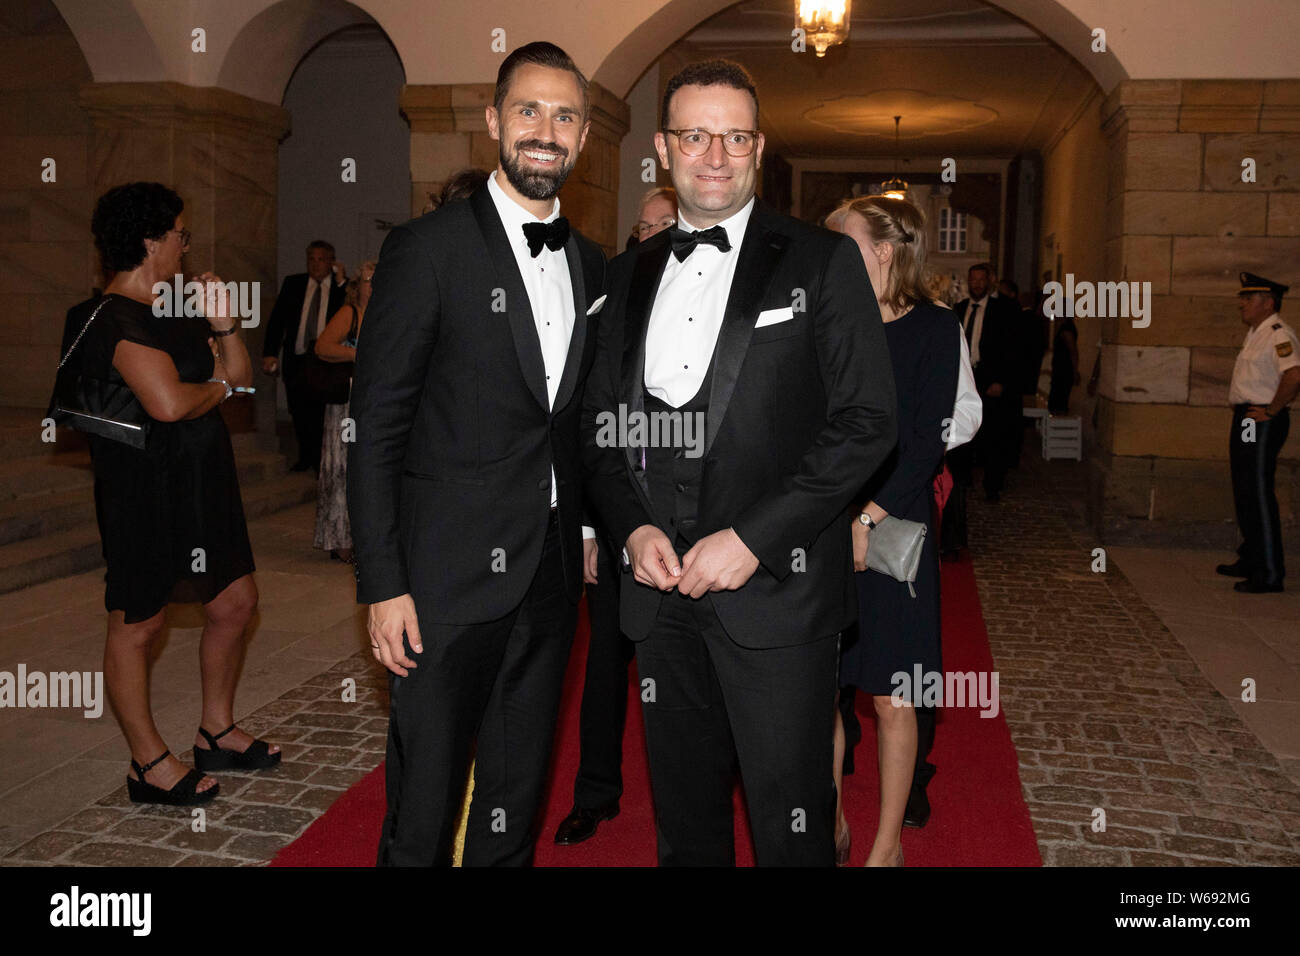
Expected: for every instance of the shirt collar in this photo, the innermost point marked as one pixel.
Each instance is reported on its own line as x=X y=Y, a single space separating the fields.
x=735 y=224
x=1266 y=324
x=513 y=216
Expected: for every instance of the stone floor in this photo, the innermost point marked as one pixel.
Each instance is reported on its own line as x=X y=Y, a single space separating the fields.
x=1122 y=691
x=1109 y=708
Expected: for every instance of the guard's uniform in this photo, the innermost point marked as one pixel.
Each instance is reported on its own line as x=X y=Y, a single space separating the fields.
x=1269 y=350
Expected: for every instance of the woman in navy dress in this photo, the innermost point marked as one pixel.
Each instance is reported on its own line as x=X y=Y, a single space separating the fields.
x=897 y=632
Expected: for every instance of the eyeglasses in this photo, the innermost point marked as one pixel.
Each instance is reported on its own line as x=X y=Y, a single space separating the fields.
x=643 y=227
x=697 y=142
x=185 y=236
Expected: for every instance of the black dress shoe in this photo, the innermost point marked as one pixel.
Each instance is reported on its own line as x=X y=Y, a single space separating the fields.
x=1256 y=587
x=581 y=824
x=1237 y=569
x=917 y=812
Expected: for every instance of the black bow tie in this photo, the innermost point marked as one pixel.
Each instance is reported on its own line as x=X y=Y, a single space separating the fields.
x=553 y=235
x=684 y=242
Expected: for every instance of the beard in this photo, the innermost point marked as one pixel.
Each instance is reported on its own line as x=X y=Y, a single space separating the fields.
x=536 y=184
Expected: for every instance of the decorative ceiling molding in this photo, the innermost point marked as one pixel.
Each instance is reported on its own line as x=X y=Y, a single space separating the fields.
x=924 y=114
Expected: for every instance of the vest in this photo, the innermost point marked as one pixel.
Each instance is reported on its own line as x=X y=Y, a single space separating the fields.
x=674 y=478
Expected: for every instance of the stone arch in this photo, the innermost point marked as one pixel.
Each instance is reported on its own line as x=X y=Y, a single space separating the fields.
x=125 y=51
x=620 y=70
x=270 y=46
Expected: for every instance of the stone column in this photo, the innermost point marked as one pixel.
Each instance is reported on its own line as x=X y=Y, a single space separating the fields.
x=220 y=151
x=1180 y=216
x=449 y=132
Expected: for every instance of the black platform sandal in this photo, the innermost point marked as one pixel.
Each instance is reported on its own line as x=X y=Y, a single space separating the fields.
x=258 y=756
x=183 y=793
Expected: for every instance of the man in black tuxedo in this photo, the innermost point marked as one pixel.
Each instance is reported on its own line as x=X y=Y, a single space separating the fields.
x=302 y=309
x=465 y=483
x=989 y=323
x=760 y=338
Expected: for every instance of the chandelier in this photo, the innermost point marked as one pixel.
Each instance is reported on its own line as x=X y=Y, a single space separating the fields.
x=825 y=22
x=896 y=186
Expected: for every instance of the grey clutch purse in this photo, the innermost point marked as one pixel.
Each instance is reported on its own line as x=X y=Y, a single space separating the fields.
x=894 y=548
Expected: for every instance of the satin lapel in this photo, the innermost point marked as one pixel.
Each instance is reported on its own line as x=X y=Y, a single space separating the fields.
x=641 y=294
x=518 y=311
x=759 y=254
x=578 y=337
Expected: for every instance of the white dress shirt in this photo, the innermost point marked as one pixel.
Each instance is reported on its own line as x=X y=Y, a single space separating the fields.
x=975 y=313
x=1269 y=350
x=326 y=285
x=550 y=294
x=688 y=311
x=968 y=412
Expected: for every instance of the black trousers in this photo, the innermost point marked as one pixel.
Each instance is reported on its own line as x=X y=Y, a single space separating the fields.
x=712 y=705
x=307 y=412
x=499 y=681
x=1254 y=464
x=604 y=690
x=952 y=531
x=995 y=441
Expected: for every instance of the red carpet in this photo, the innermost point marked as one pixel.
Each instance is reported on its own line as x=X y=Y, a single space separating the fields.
x=979 y=817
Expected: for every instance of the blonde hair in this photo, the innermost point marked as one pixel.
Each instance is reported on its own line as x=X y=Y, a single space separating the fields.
x=353 y=292
x=902 y=225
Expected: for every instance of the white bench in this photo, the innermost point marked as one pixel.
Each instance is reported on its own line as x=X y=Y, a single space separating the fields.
x=1062 y=436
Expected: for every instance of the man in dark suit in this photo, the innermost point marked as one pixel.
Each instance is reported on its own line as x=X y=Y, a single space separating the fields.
x=465 y=483
x=302 y=309
x=989 y=323
x=755 y=339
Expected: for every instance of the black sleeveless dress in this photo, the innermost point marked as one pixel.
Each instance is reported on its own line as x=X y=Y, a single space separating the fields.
x=170 y=516
x=896 y=632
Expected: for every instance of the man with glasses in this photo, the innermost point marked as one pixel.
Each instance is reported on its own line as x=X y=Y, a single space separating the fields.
x=764 y=332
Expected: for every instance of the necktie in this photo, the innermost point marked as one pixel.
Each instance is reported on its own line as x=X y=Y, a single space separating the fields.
x=553 y=235
x=313 y=317
x=684 y=242
x=971 y=315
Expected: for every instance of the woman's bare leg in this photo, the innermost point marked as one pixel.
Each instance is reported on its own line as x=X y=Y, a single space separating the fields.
x=221 y=651
x=127 y=654
x=896 y=745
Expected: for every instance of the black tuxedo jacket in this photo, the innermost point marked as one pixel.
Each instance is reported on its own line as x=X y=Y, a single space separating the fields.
x=449 y=478
x=282 y=327
x=999 y=354
x=801 y=413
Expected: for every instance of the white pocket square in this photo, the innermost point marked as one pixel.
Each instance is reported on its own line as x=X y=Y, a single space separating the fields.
x=595 y=306
x=773 y=316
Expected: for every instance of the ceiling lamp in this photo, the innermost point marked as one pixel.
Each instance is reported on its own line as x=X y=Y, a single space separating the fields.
x=895 y=187
x=825 y=23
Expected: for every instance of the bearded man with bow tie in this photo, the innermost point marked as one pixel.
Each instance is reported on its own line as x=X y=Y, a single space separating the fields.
x=740 y=562
x=464 y=481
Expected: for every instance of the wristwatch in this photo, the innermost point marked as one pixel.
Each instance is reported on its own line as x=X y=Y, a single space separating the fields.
x=229 y=331
x=221 y=381
x=866 y=520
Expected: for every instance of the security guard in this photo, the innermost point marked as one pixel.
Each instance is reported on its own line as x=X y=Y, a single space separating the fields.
x=1265 y=380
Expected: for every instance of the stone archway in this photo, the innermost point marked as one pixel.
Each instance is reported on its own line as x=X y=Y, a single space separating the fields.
x=272 y=44
x=646 y=43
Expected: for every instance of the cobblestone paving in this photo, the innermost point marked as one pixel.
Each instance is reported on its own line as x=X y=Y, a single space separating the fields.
x=1106 y=708
x=328 y=745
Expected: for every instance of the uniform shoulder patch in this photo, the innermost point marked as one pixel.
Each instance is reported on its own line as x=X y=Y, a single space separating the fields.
x=1283 y=349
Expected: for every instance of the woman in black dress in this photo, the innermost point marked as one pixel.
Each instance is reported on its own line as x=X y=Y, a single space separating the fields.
x=897 y=632
x=170 y=516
